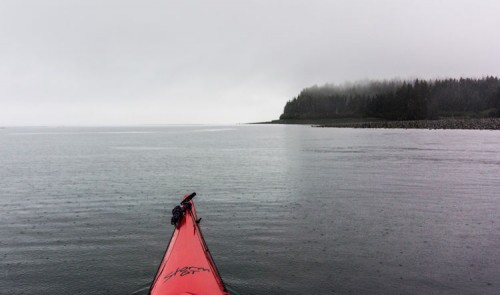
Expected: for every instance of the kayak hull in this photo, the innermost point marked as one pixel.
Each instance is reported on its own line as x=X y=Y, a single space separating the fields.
x=187 y=266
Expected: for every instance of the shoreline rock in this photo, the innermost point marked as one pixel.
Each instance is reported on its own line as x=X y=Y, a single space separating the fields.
x=466 y=124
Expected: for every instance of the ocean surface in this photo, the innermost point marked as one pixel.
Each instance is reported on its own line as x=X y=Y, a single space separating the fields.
x=286 y=209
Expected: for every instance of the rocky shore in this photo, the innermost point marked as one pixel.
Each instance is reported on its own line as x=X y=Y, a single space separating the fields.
x=483 y=123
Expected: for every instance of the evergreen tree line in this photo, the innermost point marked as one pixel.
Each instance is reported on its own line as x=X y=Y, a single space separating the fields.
x=399 y=100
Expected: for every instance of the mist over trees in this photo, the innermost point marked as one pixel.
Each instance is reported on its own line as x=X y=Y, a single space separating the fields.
x=399 y=100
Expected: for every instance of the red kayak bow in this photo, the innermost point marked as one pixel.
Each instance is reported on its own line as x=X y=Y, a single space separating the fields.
x=187 y=266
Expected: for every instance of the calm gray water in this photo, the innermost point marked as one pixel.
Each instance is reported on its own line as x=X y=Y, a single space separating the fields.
x=286 y=209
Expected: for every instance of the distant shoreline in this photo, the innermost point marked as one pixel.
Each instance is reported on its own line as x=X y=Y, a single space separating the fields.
x=448 y=123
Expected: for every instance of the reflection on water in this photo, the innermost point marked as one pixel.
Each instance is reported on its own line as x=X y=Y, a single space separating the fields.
x=286 y=209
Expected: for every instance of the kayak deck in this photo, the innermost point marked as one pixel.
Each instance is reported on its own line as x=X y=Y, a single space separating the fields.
x=187 y=266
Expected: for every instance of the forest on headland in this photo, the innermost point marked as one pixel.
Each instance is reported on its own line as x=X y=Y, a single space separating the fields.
x=398 y=100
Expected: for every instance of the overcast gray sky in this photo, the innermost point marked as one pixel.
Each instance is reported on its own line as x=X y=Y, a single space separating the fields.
x=121 y=62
